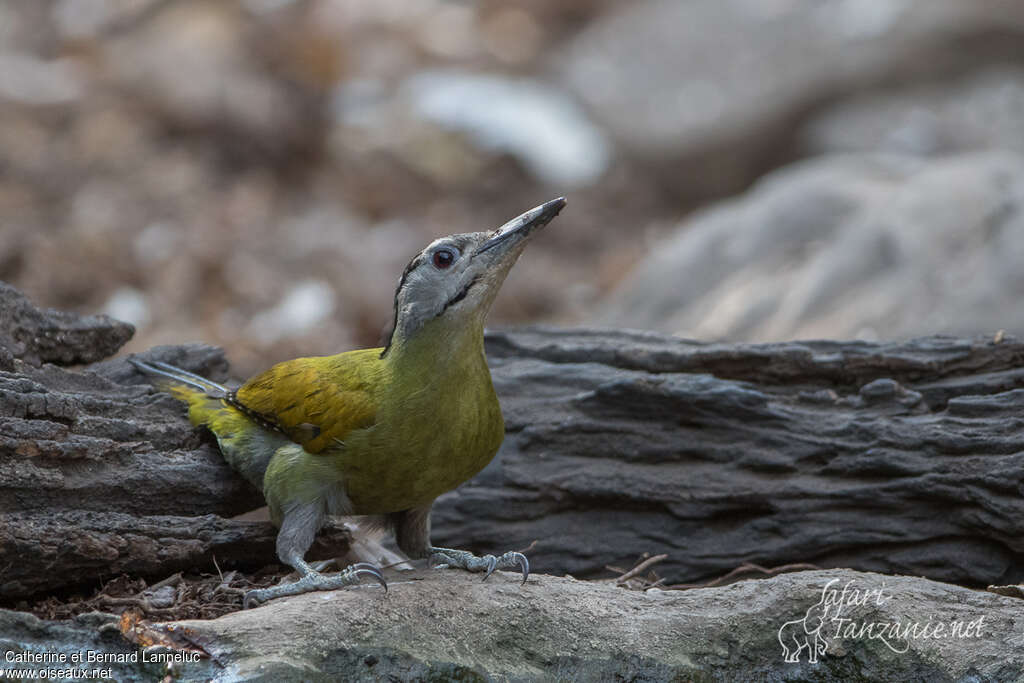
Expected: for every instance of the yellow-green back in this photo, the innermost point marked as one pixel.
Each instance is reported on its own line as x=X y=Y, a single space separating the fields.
x=318 y=401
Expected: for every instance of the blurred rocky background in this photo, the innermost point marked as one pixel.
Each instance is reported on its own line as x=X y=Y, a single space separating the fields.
x=255 y=173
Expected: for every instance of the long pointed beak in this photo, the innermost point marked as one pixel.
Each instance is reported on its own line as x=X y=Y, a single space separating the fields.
x=521 y=226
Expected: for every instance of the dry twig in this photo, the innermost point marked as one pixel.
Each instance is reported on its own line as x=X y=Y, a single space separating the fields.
x=640 y=568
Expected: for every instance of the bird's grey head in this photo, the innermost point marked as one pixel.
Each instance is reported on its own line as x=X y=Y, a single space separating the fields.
x=457 y=277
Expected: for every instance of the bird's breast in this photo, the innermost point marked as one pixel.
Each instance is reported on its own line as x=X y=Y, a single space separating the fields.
x=428 y=440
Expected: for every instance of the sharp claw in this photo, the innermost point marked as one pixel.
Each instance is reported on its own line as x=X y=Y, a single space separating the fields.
x=365 y=568
x=524 y=564
x=492 y=564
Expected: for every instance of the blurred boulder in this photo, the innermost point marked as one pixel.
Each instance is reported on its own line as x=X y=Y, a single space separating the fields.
x=716 y=86
x=219 y=67
x=984 y=110
x=25 y=79
x=540 y=126
x=853 y=246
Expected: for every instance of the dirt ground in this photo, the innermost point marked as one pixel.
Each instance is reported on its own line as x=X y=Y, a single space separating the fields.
x=257 y=178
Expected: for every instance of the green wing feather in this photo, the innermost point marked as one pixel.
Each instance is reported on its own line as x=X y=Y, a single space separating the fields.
x=315 y=401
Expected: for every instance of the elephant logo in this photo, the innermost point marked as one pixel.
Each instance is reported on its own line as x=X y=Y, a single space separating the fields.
x=805 y=634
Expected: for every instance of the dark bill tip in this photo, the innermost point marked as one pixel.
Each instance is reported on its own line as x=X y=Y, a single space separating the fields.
x=523 y=224
x=540 y=215
x=550 y=209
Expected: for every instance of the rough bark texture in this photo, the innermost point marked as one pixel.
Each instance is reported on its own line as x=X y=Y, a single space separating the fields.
x=99 y=477
x=44 y=551
x=448 y=625
x=36 y=335
x=896 y=457
x=899 y=457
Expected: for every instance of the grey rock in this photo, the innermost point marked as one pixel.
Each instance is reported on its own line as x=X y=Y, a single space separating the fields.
x=216 y=68
x=984 y=110
x=717 y=86
x=540 y=125
x=36 y=336
x=24 y=638
x=25 y=79
x=840 y=247
x=447 y=625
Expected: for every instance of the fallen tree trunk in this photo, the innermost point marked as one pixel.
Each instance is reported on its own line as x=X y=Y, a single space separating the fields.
x=900 y=458
x=99 y=475
x=897 y=458
x=56 y=550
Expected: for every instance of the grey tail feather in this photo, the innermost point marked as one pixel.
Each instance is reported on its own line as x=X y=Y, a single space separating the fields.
x=212 y=389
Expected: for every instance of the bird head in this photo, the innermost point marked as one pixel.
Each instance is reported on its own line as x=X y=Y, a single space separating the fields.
x=456 y=278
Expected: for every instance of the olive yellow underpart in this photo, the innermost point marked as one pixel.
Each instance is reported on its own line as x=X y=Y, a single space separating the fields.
x=375 y=431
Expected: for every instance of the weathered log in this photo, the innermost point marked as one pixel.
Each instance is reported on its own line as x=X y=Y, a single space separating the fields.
x=99 y=477
x=89 y=466
x=448 y=625
x=36 y=335
x=55 y=550
x=899 y=457
x=896 y=457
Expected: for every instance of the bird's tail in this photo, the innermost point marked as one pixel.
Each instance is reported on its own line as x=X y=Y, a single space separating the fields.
x=245 y=445
x=203 y=396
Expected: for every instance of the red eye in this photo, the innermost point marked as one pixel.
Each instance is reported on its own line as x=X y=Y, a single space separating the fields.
x=443 y=258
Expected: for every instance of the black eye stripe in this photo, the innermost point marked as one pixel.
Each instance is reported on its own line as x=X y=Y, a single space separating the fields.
x=461 y=295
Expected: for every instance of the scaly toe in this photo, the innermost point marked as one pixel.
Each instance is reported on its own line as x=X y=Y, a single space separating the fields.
x=446 y=557
x=439 y=561
x=252 y=598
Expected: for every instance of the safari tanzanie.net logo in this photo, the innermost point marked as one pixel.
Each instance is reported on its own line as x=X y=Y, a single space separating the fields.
x=848 y=613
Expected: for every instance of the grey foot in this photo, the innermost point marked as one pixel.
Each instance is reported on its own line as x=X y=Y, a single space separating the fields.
x=313 y=581
x=464 y=559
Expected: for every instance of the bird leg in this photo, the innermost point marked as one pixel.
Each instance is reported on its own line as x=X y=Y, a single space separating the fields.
x=312 y=580
x=299 y=526
x=412 y=533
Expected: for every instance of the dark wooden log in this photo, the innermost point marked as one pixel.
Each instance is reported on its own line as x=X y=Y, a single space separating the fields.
x=897 y=457
x=100 y=475
x=83 y=546
x=36 y=335
x=99 y=478
x=78 y=548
